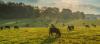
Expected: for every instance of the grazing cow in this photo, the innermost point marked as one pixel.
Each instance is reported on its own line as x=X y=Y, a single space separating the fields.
x=93 y=25
x=55 y=30
x=7 y=27
x=87 y=26
x=70 y=27
x=63 y=25
x=16 y=27
x=1 y=28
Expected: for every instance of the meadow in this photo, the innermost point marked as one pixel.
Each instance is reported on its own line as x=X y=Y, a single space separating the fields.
x=39 y=35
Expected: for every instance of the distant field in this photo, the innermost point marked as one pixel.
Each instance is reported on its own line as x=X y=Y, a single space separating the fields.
x=23 y=22
x=39 y=23
x=80 y=35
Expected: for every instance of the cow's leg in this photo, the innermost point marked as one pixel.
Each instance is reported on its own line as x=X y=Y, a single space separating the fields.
x=68 y=29
x=58 y=34
x=50 y=34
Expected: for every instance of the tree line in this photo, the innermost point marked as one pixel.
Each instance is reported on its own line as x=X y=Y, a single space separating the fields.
x=12 y=10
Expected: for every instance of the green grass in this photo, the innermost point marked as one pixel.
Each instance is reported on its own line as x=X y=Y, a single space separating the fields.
x=39 y=35
x=80 y=35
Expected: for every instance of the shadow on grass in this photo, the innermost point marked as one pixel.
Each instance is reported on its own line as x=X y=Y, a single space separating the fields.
x=49 y=40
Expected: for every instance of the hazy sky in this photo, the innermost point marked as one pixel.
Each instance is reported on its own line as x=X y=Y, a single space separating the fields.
x=87 y=6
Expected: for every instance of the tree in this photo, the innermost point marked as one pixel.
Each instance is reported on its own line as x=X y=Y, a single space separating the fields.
x=79 y=15
x=50 y=13
x=66 y=14
x=1 y=2
x=12 y=10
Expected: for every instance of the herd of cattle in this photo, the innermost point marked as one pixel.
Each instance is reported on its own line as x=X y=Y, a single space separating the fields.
x=8 y=27
x=55 y=30
x=52 y=29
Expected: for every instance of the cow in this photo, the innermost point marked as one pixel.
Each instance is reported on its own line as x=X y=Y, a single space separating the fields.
x=63 y=25
x=1 y=28
x=55 y=30
x=93 y=25
x=16 y=27
x=7 y=27
x=70 y=27
x=87 y=26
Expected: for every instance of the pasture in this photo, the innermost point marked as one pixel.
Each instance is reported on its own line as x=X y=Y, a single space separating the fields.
x=39 y=35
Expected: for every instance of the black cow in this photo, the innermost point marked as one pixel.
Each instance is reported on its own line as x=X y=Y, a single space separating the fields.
x=1 y=28
x=7 y=27
x=16 y=27
x=55 y=30
x=70 y=27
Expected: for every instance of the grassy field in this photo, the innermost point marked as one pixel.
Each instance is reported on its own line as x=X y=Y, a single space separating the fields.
x=80 y=35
